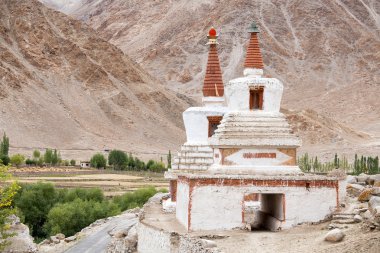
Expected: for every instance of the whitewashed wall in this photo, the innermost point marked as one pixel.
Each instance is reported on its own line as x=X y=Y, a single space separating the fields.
x=182 y=208
x=237 y=93
x=196 y=122
x=220 y=207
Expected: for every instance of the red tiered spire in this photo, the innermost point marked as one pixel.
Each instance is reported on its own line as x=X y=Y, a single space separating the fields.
x=253 y=58
x=213 y=83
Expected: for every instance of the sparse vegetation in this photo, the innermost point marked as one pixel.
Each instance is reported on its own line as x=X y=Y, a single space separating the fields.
x=48 y=210
x=119 y=160
x=7 y=194
x=369 y=165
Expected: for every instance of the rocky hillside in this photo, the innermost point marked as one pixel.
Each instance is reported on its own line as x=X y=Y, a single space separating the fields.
x=62 y=86
x=326 y=52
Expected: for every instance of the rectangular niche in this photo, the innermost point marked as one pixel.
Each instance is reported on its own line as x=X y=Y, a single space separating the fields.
x=213 y=123
x=256 y=95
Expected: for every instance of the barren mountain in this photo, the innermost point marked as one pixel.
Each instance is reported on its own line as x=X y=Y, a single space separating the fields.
x=327 y=53
x=62 y=86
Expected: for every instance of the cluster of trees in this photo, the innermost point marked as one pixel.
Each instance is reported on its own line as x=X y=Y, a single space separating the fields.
x=7 y=193
x=48 y=210
x=119 y=160
x=4 y=150
x=369 y=165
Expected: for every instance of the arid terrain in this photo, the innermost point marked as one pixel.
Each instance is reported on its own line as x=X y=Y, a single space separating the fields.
x=111 y=182
x=64 y=87
x=124 y=82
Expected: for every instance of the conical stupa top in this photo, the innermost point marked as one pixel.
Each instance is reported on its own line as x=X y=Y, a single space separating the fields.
x=253 y=58
x=213 y=82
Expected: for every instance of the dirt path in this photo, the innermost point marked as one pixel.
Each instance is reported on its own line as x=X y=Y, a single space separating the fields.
x=304 y=238
x=97 y=242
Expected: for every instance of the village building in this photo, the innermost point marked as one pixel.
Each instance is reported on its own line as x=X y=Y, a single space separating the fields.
x=85 y=164
x=238 y=165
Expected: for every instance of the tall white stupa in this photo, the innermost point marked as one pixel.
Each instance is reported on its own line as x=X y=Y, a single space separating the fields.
x=238 y=165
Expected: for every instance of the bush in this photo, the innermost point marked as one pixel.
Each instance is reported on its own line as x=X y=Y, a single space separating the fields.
x=134 y=199
x=4 y=159
x=69 y=218
x=84 y=194
x=72 y=162
x=17 y=160
x=7 y=194
x=29 y=161
x=35 y=201
x=118 y=159
x=98 y=161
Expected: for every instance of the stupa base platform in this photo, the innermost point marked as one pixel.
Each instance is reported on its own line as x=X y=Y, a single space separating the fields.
x=225 y=202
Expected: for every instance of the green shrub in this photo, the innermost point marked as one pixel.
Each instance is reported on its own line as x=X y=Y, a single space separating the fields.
x=72 y=162
x=98 y=161
x=117 y=159
x=134 y=199
x=35 y=201
x=4 y=159
x=84 y=194
x=69 y=218
x=17 y=160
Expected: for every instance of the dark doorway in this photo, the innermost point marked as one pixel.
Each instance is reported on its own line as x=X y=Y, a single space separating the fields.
x=256 y=96
x=265 y=212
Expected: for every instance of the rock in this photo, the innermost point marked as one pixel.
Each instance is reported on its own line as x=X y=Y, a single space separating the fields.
x=208 y=243
x=132 y=234
x=362 y=178
x=335 y=235
x=376 y=191
x=351 y=179
x=375 y=178
x=54 y=239
x=354 y=190
x=60 y=236
x=373 y=202
x=338 y=173
x=377 y=211
x=365 y=195
x=358 y=218
x=367 y=215
x=71 y=238
x=22 y=241
x=121 y=233
x=44 y=242
x=346 y=221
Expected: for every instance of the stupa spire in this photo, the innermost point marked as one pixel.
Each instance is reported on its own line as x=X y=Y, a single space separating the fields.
x=213 y=82
x=253 y=59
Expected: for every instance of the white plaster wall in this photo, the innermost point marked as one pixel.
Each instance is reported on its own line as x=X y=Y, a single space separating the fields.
x=196 y=122
x=308 y=205
x=220 y=207
x=182 y=206
x=237 y=93
x=153 y=240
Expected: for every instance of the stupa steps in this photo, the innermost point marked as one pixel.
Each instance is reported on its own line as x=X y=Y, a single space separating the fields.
x=197 y=148
x=254 y=120
x=190 y=167
x=254 y=128
x=191 y=154
x=198 y=161
x=256 y=124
